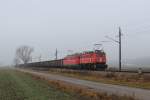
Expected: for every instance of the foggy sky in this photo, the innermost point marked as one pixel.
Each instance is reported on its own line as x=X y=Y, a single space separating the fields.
x=74 y=25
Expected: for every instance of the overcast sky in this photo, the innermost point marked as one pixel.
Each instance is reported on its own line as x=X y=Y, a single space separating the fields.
x=74 y=25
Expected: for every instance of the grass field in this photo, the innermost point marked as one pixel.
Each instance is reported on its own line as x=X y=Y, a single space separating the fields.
x=19 y=86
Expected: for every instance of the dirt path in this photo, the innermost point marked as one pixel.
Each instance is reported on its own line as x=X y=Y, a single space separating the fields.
x=141 y=94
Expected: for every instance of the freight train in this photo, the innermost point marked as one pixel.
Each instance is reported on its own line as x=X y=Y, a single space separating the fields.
x=90 y=60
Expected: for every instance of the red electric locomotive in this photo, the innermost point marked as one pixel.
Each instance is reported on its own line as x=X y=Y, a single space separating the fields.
x=94 y=60
x=72 y=61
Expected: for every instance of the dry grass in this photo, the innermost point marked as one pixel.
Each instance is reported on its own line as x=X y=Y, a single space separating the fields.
x=128 y=79
x=146 y=78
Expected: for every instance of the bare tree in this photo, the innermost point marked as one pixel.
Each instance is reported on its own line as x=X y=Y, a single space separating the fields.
x=23 y=54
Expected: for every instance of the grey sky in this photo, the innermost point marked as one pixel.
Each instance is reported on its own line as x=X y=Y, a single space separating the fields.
x=74 y=25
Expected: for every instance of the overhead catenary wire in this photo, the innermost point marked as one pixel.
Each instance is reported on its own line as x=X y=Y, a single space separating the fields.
x=120 y=50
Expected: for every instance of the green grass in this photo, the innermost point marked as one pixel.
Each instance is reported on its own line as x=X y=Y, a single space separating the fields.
x=19 y=86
